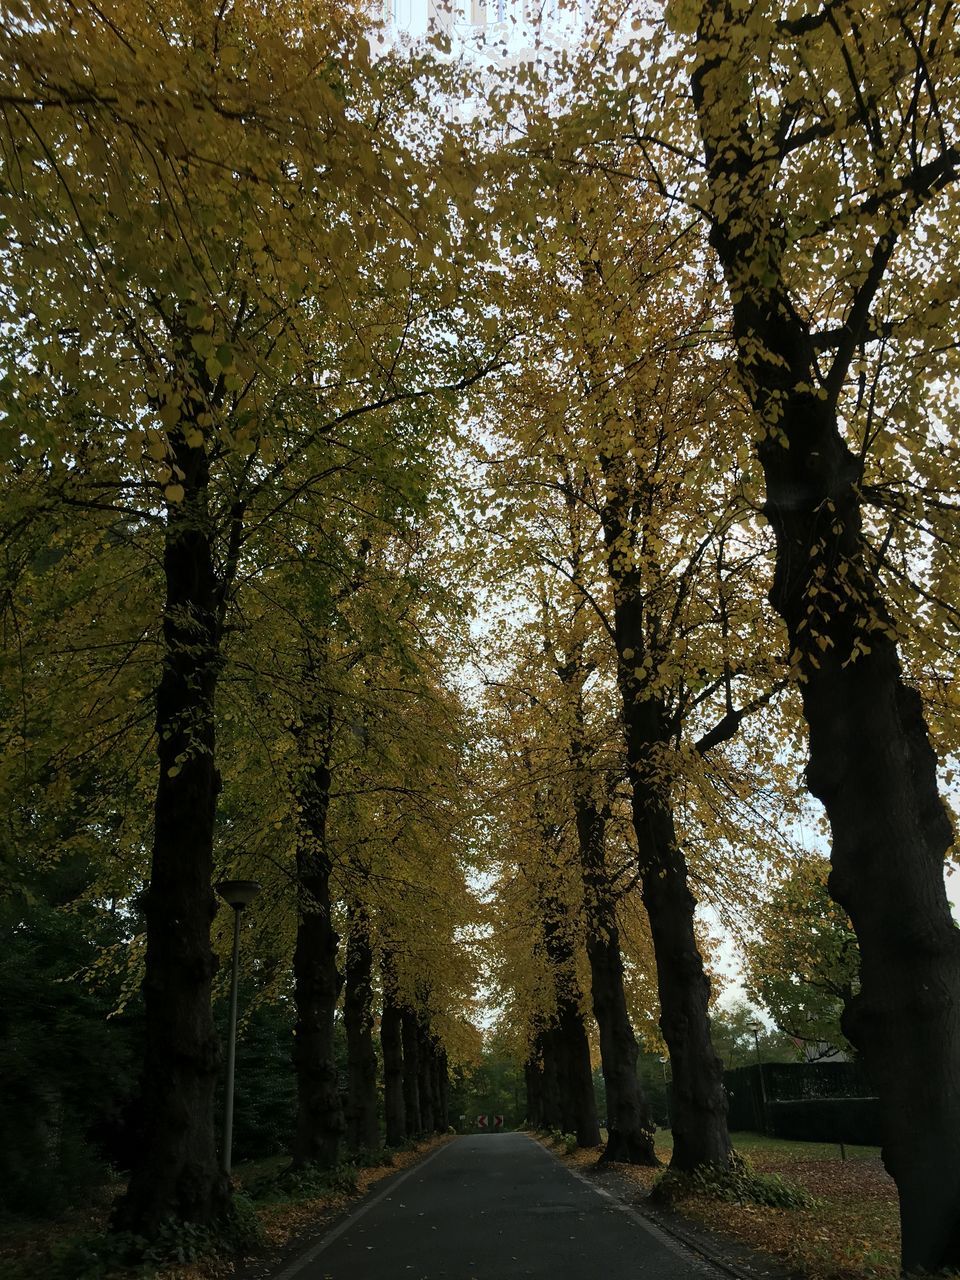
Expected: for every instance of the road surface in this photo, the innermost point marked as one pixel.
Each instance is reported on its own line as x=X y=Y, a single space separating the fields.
x=494 y=1207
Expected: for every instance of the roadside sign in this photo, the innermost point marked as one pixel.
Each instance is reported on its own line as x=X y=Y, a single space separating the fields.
x=481 y=1122
x=498 y=1122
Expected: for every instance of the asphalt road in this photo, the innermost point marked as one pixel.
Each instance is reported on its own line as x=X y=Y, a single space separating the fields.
x=494 y=1207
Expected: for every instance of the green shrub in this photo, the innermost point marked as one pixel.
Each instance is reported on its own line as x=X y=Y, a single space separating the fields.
x=569 y=1143
x=309 y=1183
x=740 y=1184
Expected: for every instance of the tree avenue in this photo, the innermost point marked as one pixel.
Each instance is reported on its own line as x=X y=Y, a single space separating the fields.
x=468 y=522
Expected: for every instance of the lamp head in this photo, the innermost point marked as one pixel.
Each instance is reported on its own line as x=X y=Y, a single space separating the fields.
x=238 y=893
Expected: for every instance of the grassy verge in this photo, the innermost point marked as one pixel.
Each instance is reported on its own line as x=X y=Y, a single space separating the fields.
x=274 y=1208
x=853 y=1233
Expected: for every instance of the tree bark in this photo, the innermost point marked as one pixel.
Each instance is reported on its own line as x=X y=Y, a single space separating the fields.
x=630 y=1125
x=552 y=1111
x=870 y=759
x=177 y=1172
x=700 y=1134
x=578 y=1103
x=443 y=1092
x=391 y=1043
x=363 y=1127
x=533 y=1079
x=411 y=1072
x=317 y=981
x=425 y=1076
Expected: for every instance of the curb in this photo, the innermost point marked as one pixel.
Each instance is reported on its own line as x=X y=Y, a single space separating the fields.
x=749 y=1265
x=298 y=1252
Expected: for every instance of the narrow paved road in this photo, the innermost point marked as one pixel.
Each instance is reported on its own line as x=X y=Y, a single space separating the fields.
x=494 y=1207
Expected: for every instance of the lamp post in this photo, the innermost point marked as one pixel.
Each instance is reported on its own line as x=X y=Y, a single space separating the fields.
x=666 y=1089
x=756 y=1028
x=237 y=894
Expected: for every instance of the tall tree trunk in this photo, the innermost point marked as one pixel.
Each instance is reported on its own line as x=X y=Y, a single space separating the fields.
x=411 y=1072
x=425 y=1076
x=699 y=1103
x=577 y=1074
x=578 y=1101
x=317 y=980
x=363 y=1128
x=177 y=1172
x=700 y=1134
x=630 y=1125
x=871 y=763
x=391 y=1043
x=552 y=1109
x=533 y=1079
x=443 y=1092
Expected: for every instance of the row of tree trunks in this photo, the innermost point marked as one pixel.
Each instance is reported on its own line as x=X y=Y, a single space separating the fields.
x=415 y=1076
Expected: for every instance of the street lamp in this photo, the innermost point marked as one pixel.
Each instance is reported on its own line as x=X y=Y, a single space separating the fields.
x=756 y=1028
x=666 y=1090
x=237 y=894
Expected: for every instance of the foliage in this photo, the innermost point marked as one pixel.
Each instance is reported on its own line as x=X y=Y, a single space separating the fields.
x=309 y=1183
x=68 y=1071
x=99 y=1256
x=740 y=1184
x=803 y=962
x=491 y=1086
x=732 y=1034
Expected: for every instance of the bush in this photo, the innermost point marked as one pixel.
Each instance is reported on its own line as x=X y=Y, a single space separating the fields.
x=740 y=1184
x=308 y=1183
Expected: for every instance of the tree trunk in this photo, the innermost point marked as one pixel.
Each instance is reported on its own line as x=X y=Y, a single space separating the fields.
x=871 y=763
x=411 y=1072
x=391 y=1042
x=699 y=1103
x=425 y=1077
x=552 y=1110
x=533 y=1079
x=177 y=1172
x=700 y=1134
x=363 y=1128
x=630 y=1126
x=443 y=1092
x=320 y=1124
x=578 y=1103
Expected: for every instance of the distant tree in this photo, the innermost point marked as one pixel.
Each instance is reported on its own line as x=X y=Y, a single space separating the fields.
x=804 y=963
x=68 y=1072
x=733 y=1037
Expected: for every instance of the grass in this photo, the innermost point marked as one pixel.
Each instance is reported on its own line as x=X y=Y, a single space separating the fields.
x=852 y=1234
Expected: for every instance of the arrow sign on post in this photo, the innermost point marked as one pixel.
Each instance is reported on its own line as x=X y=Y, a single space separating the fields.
x=481 y=1122
x=498 y=1122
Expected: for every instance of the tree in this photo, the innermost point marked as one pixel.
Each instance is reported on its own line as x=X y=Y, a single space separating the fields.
x=803 y=964
x=828 y=146
x=618 y=388
x=201 y=339
x=739 y=1035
